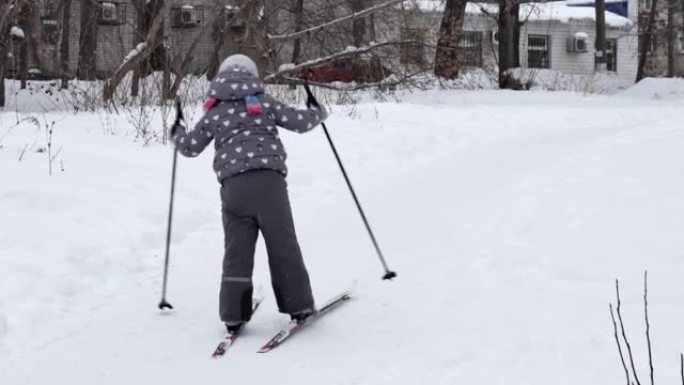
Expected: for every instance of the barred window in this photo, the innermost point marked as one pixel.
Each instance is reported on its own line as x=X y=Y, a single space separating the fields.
x=470 y=49
x=538 y=51
x=413 y=53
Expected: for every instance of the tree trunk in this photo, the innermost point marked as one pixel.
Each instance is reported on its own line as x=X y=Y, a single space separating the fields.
x=152 y=43
x=87 y=52
x=64 y=45
x=647 y=41
x=298 y=24
x=359 y=23
x=509 y=38
x=600 y=53
x=671 y=37
x=3 y=60
x=447 y=56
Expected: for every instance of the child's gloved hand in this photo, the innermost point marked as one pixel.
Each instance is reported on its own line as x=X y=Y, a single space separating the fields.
x=312 y=102
x=178 y=126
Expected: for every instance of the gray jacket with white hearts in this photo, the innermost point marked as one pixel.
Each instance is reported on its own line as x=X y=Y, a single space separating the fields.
x=244 y=142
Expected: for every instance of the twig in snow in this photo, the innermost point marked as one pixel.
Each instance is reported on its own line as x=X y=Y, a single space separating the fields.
x=617 y=340
x=624 y=334
x=681 y=366
x=648 y=325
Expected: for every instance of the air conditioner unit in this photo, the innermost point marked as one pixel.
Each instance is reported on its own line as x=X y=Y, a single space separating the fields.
x=578 y=42
x=109 y=12
x=188 y=16
x=233 y=17
x=494 y=36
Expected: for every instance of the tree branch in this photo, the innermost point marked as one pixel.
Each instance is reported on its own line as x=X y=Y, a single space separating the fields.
x=382 y=83
x=624 y=334
x=339 y=55
x=617 y=340
x=648 y=325
x=294 y=35
x=149 y=45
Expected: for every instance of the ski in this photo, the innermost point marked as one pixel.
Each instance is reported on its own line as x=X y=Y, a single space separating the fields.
x=230 y=338
x=294 y=326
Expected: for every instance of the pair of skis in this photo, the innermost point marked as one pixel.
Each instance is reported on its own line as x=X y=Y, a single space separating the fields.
x=288 y=331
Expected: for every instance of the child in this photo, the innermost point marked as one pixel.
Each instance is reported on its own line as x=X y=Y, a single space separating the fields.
x=250 y=165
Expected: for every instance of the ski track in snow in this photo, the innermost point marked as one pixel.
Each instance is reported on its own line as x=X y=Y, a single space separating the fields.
x=506 y=215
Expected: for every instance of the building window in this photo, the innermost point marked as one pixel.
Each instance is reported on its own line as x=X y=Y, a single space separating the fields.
x=538 y=51
x=187 y=16
x=112 y=13
x=611 y=55
x=48 y=19
x=413 y=53
x=470 y=49
x=50 y=32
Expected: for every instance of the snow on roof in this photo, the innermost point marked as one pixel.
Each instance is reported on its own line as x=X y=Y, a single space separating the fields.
x=549 y=11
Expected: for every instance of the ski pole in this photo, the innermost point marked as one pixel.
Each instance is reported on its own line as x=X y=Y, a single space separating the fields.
x=388 y=273
x=163 y=304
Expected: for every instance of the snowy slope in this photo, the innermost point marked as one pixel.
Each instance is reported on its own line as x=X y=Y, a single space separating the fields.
x=507 y=216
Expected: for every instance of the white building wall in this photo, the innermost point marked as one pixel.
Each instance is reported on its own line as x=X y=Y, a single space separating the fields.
x=580 y=63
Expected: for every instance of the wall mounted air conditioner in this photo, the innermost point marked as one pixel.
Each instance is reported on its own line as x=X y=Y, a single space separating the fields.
x=187 y=16
x=494 y=36
x=578 y=42
x=109 y=12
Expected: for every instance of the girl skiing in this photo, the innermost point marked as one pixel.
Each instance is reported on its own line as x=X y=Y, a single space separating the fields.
x=250 y=166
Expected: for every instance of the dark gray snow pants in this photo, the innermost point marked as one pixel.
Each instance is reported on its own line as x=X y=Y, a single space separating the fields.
x=252 y=202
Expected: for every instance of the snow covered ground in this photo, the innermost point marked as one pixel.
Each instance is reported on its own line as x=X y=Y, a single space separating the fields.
x=507 y=216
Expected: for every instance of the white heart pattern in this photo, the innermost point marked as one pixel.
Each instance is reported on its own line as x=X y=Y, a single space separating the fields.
x=226 y=123
x=224 y=156
x=274 y=146
x=238 y=149
x=231 y=111
x=278 y=107
x=235 y=131
x=267 y=105
x=234 y=86
x=261 y=138
x=257 y=121
x=182 y=140
x=216 y=117
x=244 y=87
x=264 y=160
x=299 y=117
x=233 y=161
x=250 y=154
x=206 y=121
x=284 y=119
x=243 y=114
x=222 y=80
x=213 y=92
x=208 y=134
x=247 y=132
x=193 y=141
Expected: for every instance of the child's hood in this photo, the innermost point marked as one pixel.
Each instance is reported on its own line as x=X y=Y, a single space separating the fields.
x=234 y=83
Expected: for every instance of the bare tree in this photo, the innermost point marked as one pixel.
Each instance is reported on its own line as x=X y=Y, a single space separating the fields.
x=600 y=54
x=671 y=37
x=508 y=24
x=142 y=51
x=447 y=55
x=64 y=45
x=8 y=14
x=646 y=40
x=87 y=47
